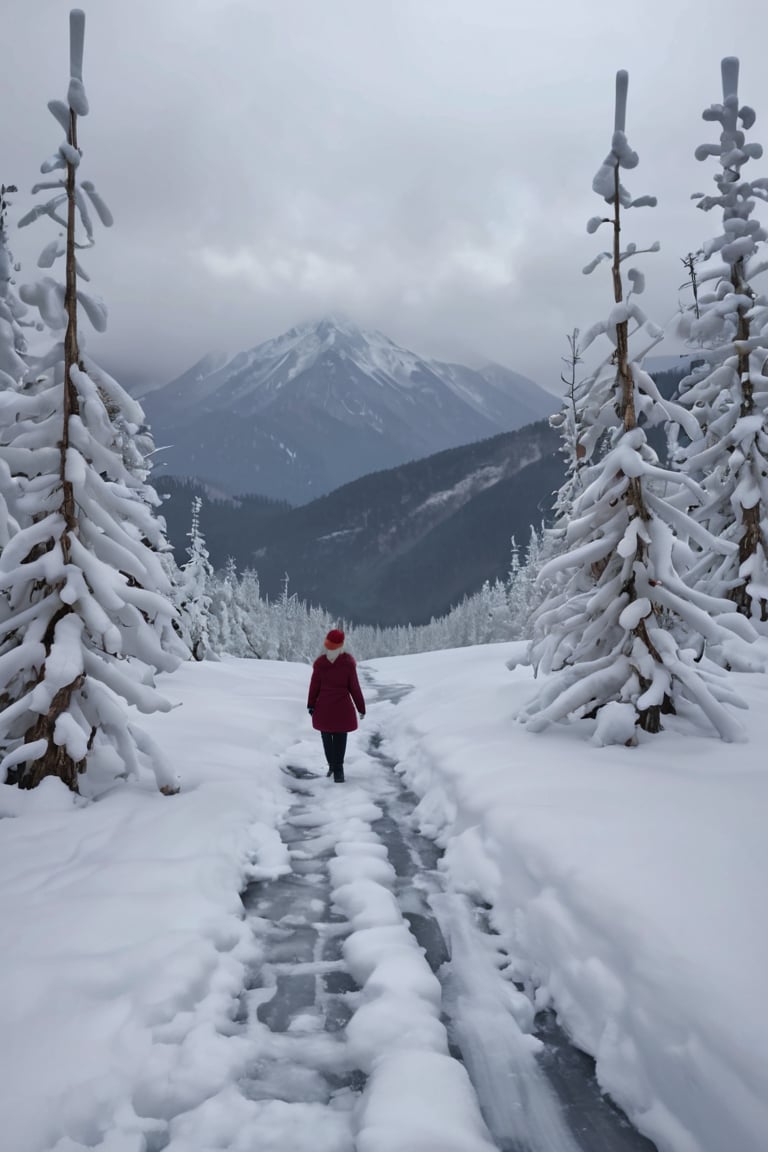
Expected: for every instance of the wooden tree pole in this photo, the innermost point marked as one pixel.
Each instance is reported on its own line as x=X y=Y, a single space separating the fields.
x=627 y=402
x=71 y=346
x=751 y=534
x=689 y=263
x=573 y=360
x=649 y=719
x=56 y=761
x=4 y=190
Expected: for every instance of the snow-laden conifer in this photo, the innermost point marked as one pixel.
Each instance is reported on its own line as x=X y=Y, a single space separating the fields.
x=249 y=615
x=617 y=633
x=221 y=625
x=13 y=360
x=232 y=600
x=13 y=344
x=195 y=590
x=89 y=619
x=568 y=422
x=728 y=324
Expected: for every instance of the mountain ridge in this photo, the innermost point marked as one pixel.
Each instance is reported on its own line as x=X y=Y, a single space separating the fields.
x=396 y=546
x=322 y=404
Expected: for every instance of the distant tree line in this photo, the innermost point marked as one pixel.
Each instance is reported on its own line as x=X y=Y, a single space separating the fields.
x=226 y=612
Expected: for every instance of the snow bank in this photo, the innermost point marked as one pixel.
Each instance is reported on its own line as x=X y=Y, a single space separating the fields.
x=627 y=884
x=122 y=940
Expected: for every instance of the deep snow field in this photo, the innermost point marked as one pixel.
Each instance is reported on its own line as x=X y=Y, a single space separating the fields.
x=627 y=887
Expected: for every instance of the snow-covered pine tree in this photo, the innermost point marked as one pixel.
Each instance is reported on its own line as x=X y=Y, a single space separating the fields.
x=89 y=616
x=728 y=323
x=221 y=629
x=689 y=262
x=195 y=598
x=568 y=422
x=291 y=631
x=13 y=344
x=524 y=592
x=603 y=633
x=250 y=614
x=13 y=360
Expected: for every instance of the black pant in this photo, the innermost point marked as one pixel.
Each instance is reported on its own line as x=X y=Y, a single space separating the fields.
x=334 y=746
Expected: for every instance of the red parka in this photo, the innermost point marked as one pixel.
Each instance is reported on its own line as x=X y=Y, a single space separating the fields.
x=334 y=694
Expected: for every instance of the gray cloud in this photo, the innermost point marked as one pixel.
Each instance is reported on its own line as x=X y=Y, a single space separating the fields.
x=424 y=165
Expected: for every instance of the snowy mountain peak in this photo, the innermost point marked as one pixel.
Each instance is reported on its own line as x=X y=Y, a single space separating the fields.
x=337 y=326
x=334 y=336
x=324 y=403
x=330 y=329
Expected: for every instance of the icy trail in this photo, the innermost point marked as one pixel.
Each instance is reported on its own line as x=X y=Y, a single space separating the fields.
x=379 y=1011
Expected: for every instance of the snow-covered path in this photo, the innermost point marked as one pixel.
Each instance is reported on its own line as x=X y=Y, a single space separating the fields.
x=260 y=962
x=372 y=972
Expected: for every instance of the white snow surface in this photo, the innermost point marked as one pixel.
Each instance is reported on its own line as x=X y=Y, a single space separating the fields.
x=627 y=887
x=626 y=882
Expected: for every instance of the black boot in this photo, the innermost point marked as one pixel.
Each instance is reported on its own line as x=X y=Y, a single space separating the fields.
x=338 y=775
x=330 y=771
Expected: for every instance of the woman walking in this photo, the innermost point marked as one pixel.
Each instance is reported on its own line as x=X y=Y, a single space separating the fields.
x=334 y=694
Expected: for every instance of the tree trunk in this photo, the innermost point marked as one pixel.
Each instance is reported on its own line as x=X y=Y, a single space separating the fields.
x=624 y=372
x=56 y=761
x=751 y=536
x=649 y=719
x=71 y=348
x=748 y=544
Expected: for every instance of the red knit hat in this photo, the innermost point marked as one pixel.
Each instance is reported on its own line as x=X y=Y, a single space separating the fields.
x=334 y=639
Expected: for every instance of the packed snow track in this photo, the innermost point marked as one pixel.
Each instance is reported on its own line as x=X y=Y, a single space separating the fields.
x=380 y=1010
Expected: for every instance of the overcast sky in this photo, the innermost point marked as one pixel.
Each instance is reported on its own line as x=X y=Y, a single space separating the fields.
x=423 y=165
